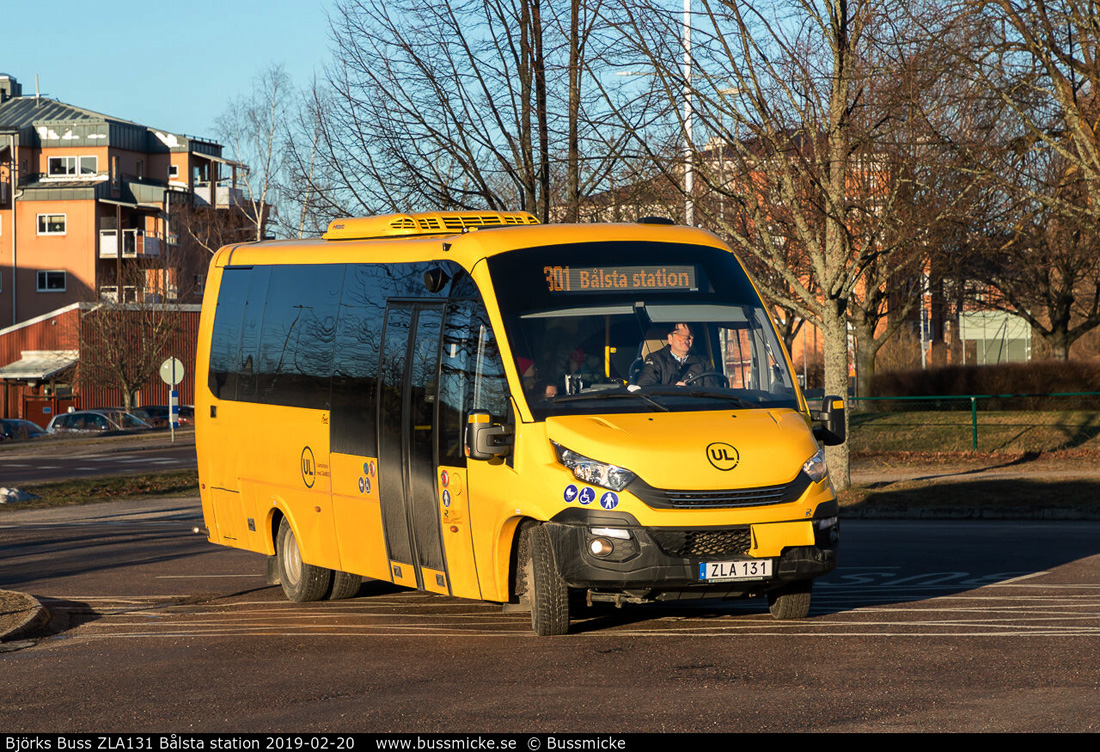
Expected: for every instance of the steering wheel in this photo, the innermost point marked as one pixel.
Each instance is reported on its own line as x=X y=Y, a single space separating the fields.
x=717 y=374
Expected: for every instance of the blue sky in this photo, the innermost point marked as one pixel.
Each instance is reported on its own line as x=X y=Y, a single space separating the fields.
x=169 y=65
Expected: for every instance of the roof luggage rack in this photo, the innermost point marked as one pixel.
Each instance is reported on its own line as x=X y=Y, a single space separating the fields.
x=426 y=223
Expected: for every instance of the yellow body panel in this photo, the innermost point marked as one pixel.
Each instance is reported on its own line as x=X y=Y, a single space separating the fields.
x=454 y=514
x=358 y=516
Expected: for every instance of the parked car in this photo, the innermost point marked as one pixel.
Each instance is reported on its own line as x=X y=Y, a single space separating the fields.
x=100 y=422
x=14 y=429
x=159 y=415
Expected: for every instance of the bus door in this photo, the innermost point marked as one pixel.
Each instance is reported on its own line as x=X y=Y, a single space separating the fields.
x=408 y=387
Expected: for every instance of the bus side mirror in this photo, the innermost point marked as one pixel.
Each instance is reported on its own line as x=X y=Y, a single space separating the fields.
x=484 y=440
x=831 y=416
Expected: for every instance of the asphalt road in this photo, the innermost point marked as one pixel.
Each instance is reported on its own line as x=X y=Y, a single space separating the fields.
x=926 y=626
x=61 y=459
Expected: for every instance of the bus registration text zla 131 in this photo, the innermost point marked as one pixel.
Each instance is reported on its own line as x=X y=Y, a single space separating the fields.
x=619 y=278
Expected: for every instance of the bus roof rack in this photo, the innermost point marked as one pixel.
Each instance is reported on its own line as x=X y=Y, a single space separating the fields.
x=426 y=223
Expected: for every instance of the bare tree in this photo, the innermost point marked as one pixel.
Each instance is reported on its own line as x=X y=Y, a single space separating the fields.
x=472 y=104
x=122 y=344
x=255 y=130
x=1038 y=156
x=824 y=156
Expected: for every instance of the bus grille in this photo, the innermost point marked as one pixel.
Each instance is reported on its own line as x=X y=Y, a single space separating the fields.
x=703 y=541
x=723 y=498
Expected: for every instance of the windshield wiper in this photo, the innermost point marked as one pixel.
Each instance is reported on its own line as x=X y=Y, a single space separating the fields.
x=608 y=395
x=686 y=391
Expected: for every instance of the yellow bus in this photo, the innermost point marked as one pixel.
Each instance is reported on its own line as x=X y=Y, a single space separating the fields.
x=482 y=406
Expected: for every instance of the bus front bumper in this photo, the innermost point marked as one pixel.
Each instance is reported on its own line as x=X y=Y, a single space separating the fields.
x=613 y=554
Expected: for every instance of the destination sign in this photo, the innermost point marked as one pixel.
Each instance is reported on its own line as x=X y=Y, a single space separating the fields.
x=619 y=278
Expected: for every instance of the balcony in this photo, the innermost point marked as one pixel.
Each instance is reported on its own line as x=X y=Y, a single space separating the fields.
x=223 y=192
x=135 y=244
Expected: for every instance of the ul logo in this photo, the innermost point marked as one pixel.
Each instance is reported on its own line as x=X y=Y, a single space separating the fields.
x=722 y=456
x=308 y=468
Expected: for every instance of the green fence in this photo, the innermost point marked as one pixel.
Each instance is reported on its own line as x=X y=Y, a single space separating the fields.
x=991 y=422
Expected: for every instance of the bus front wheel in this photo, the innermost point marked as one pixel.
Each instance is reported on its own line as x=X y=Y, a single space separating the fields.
x=544 y=589
x=791 y=601
x=301 y=582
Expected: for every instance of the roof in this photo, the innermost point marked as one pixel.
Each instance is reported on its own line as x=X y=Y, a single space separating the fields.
x=465 y=248
x=39 y=364
x=66 y=124
x=19 y=112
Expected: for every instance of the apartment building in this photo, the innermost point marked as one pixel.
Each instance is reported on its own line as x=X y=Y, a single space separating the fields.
x=93 y=209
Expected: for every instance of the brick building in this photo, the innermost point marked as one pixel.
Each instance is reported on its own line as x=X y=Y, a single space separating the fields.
x=95 y=210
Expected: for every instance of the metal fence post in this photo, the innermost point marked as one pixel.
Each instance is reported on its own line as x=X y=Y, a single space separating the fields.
x=974 y=422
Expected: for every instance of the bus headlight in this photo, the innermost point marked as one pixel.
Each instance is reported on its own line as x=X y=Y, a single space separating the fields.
x=815 y=467
x=591 y=471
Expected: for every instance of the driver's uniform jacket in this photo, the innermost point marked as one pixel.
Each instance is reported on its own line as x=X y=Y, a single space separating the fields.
x=663 y=369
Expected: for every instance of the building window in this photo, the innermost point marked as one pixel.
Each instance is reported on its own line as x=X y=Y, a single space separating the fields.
x=51 y=281
x=58 y=167
x=173 y=171
x=51 y=224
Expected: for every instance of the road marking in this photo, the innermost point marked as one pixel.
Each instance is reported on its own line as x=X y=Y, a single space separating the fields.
x=203 y=576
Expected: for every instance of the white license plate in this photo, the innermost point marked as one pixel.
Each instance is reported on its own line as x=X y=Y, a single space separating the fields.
x=724 y=571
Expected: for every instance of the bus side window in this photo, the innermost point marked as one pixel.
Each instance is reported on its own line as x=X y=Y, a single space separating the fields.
x=225 y=340
x=471 y=376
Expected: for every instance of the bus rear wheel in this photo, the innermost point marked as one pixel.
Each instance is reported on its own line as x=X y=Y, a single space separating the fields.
x=344 y=585
x=301 y=582
x=791 y=601
x=544 y=589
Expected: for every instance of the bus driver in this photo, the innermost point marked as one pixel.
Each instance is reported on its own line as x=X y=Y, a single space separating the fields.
x=674 y=363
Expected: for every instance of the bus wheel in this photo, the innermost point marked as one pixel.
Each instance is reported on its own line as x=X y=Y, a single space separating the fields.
x=344 y=585
x=791 y=601
x=544 y=589
x=301 y=581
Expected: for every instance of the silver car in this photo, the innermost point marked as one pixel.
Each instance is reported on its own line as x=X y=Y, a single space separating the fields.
x=98 y=422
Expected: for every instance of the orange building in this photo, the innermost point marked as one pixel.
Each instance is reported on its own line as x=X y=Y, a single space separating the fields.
x=92 y=210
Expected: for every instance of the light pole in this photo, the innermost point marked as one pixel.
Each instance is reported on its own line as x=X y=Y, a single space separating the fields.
x=689 y=175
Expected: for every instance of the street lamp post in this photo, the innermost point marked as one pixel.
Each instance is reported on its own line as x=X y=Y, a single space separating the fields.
x=689 y=175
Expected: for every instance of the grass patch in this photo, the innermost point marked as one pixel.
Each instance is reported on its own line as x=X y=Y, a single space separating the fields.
x=116 y=488
x=952 y=431
x=1008 y=497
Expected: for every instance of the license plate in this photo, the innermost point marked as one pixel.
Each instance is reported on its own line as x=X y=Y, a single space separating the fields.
x=725 y=571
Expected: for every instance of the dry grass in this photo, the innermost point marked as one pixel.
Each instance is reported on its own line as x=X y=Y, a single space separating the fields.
x=89 y=490
x=942 y=431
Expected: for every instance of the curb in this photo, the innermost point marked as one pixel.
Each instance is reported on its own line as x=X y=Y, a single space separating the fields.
x=20 y=615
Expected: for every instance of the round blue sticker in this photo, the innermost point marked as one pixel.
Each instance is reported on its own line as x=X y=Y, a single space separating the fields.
x=362 y=486
x=446 y=498
x=609 y=500
x=570 y=493
x=587 y=495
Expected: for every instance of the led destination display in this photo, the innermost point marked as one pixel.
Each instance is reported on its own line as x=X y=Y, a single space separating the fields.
x=619 y=278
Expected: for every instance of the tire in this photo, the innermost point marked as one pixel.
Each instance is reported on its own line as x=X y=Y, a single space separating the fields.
x=344 y=585
x=301 y=582
x=791 y=601
x=543 y=588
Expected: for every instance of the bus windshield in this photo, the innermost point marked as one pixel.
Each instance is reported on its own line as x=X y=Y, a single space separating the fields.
x=638 y=327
